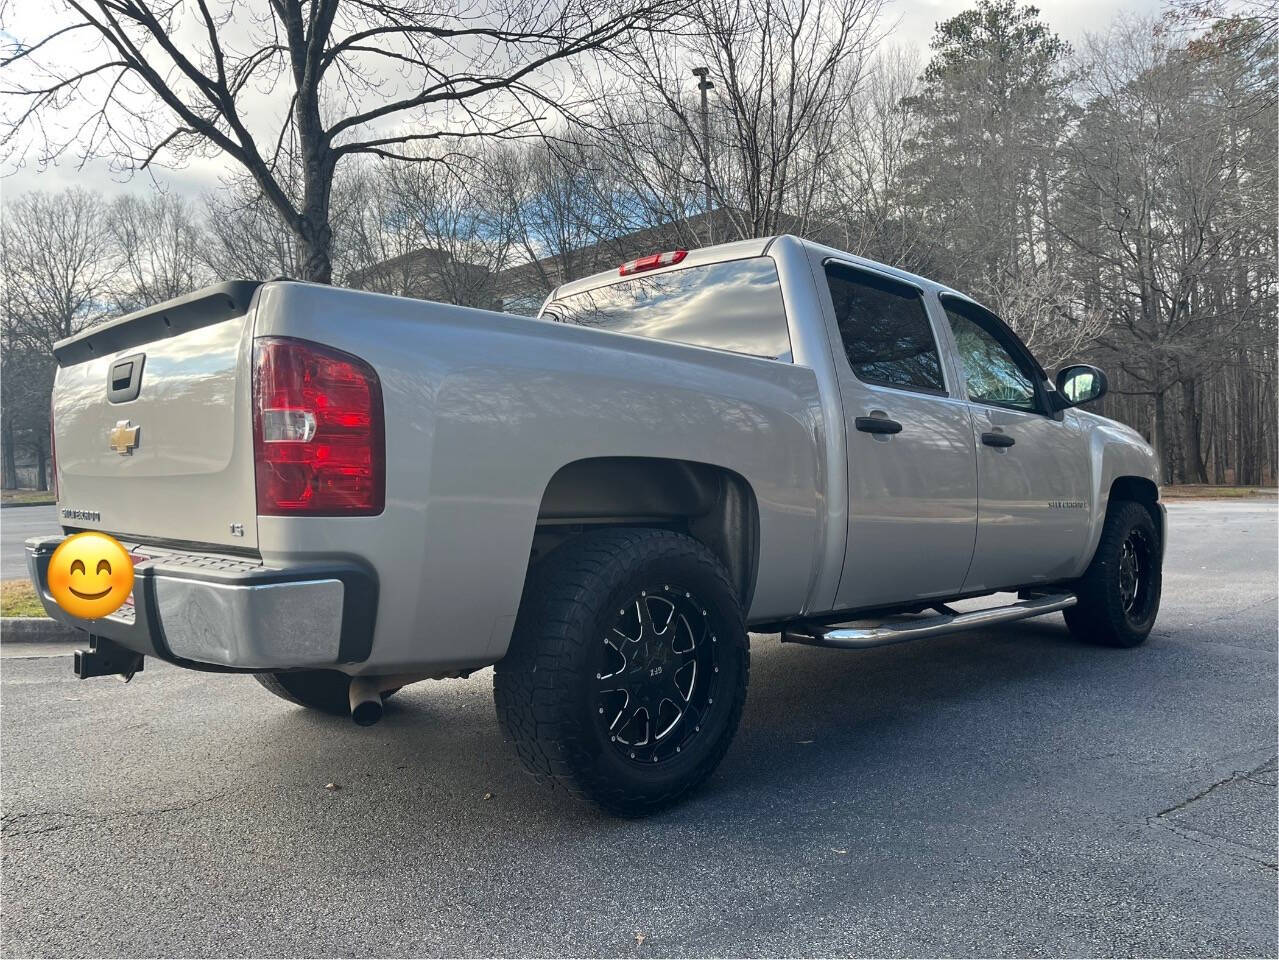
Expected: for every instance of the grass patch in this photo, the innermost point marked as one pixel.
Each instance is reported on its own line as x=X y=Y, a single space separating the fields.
x=30 y=497
x=1202 y=491
x=18 y=599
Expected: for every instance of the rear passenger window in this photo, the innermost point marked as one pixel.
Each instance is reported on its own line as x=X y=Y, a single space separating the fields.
x=885 y=330
x=732 y=305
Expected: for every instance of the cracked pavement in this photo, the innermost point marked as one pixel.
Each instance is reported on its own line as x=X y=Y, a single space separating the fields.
x=1001 y=793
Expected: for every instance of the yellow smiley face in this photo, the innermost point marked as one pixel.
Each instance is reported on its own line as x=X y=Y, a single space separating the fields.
x=90 y=575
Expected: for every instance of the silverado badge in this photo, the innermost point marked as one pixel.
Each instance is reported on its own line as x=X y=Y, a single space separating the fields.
x=124 y=437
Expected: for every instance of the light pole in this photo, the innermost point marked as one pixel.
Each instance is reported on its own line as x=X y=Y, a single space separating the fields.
x=704 y=84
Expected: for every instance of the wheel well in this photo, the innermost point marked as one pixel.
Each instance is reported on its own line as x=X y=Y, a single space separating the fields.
x=1139 y=490
x=711 y=504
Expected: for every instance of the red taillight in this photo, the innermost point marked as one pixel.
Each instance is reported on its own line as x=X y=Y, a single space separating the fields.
x=652 y=262
x=318 y=432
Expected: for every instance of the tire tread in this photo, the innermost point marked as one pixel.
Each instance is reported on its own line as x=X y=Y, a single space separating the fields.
x=534 y=699
x=1099 y=617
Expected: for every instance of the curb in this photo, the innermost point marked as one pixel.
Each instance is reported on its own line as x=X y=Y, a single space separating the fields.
x=38 y=630
x=15 y=506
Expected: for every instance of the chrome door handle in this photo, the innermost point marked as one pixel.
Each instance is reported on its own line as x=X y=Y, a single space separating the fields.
x=997 y=440
x=877 y=425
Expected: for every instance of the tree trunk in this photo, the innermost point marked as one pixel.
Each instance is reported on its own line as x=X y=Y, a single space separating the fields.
x=314 y=230
x=10 y=460
x=1192 y=424
x=317 y=248
x=1161 y=439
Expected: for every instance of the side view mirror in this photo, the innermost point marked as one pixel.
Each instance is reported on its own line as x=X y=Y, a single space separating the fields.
x=1080 y=383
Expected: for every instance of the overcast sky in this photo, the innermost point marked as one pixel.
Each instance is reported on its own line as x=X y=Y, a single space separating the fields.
x=915 y=19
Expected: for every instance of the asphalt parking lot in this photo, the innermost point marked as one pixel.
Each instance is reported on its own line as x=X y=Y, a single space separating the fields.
x=16 y=524
x=1002 y=793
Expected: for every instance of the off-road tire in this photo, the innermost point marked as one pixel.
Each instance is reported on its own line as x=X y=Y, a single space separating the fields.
x=328 y=691
x=1100 y=616
x=546 y=688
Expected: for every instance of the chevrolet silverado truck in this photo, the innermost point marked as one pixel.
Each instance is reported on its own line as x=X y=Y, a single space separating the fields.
x=339 y=493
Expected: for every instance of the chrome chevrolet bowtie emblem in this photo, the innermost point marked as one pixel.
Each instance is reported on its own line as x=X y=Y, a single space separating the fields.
x=124 y=437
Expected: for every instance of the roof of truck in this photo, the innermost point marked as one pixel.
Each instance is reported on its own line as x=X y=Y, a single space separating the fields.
x=738 y=250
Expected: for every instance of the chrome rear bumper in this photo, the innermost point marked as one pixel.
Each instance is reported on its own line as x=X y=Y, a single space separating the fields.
x=211 y=611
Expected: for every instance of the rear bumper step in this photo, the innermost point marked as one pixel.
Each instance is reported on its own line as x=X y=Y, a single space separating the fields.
x=215 y=612
x=900 y=629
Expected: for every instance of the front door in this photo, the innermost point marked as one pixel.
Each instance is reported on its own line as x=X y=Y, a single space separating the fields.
x=912 y=480
x=1033 y=476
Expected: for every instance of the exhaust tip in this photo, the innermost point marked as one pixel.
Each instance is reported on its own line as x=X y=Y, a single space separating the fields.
x=367 y=712
x=366 y=701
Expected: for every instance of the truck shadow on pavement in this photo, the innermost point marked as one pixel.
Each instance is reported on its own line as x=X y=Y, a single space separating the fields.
x=818 y=723
x=998 y=777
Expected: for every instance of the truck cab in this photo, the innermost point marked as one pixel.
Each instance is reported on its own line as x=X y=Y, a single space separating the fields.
x=947 y=438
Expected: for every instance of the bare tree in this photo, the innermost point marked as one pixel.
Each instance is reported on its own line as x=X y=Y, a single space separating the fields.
x=441 y=230
x=865 y=201
x=1165 y=209
x=58 y=266
x=160 y=243
x=176 y=77
x=562 y=213
x=783 y=71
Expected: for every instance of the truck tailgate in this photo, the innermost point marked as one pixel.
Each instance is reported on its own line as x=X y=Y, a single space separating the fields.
x=153 y=426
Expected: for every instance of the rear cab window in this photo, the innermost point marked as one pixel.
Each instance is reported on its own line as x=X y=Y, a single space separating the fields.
x=885 y=330
x=734 y=305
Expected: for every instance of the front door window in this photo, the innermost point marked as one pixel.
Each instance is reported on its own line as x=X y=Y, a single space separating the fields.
x=992 y=374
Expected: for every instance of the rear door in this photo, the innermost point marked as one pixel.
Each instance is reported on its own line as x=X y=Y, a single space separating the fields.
x=1033 y=469
x=912 y=477
x=152 y=423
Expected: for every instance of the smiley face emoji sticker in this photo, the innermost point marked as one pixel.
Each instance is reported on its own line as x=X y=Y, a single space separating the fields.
x=90 y=575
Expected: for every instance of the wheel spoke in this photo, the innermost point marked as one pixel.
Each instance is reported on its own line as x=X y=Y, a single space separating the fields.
x=649 y=728
x=645 y=619
x=633 y=731
x=614 y=712
x=670 y=616
x=671 y=715
x=682 y=658
x=686 y=632
x=617 y=653
x=682 y=687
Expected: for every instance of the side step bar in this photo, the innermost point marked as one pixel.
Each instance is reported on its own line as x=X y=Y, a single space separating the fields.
x=899 y=630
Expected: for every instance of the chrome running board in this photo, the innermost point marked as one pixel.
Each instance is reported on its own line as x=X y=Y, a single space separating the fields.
x=913 y=627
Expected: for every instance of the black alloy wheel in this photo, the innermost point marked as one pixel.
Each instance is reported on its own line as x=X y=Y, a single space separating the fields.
x=1135 y=565
x=657 y=674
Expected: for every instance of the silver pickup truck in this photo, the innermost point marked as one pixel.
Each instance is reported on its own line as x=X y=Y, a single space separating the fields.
x=340 y=493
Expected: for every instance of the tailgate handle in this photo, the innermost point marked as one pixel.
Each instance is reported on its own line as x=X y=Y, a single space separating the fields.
x=124 y=380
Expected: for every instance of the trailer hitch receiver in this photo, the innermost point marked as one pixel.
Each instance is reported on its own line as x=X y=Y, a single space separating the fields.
x=106 y=658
